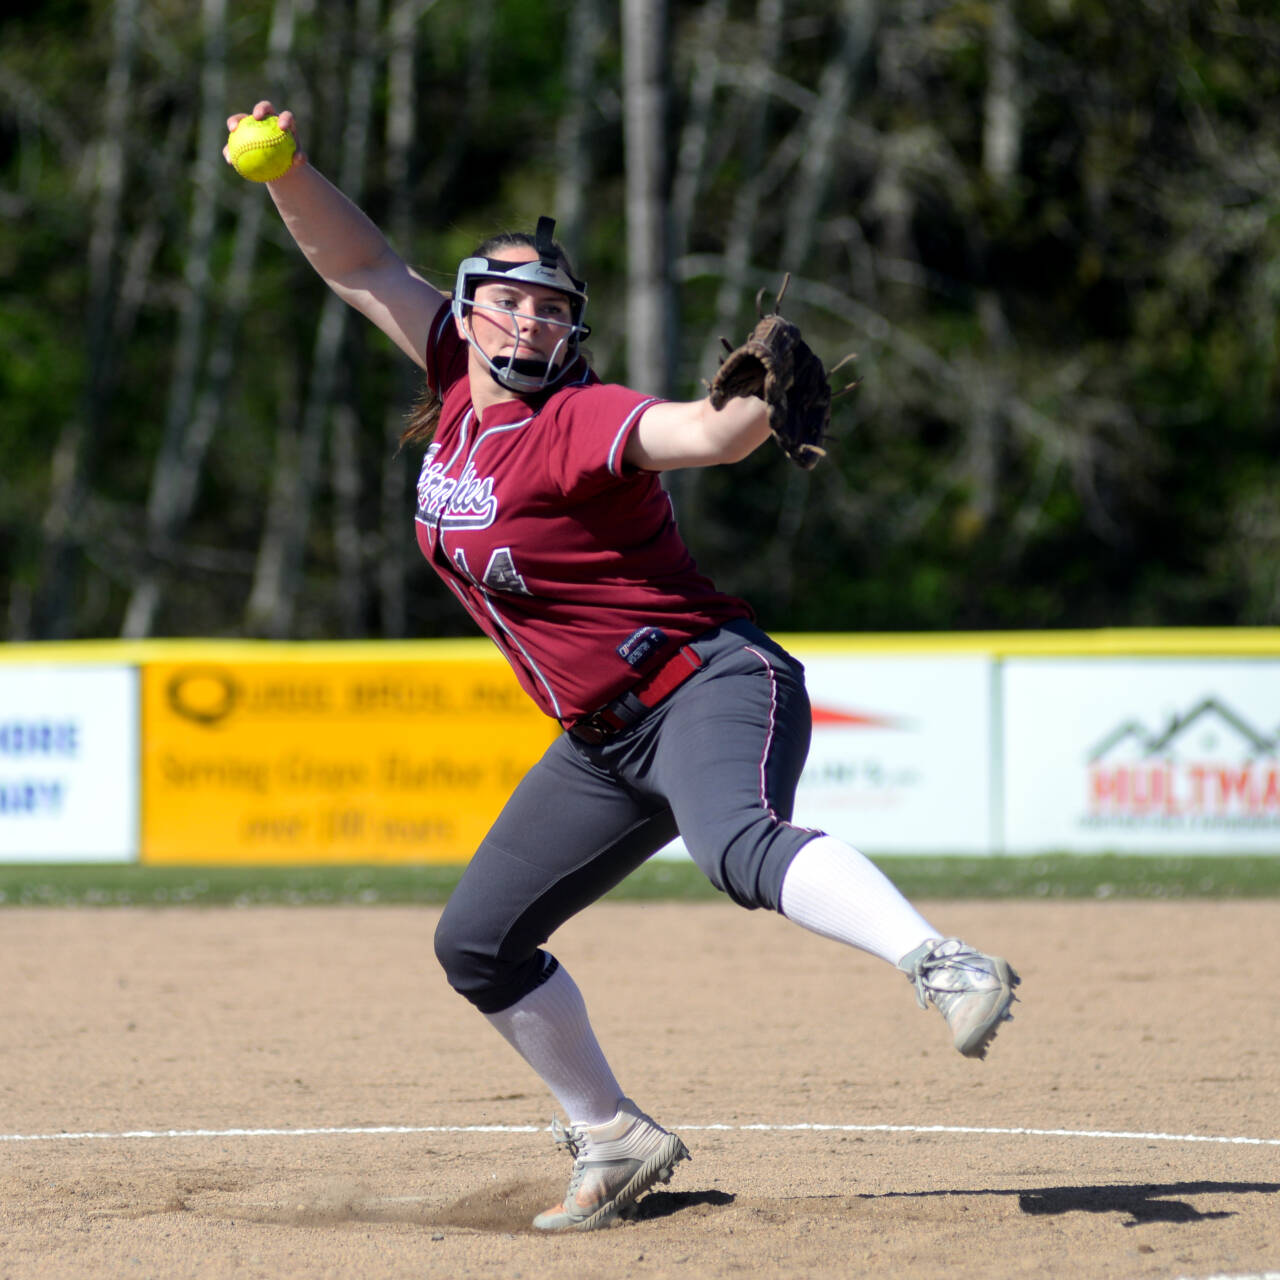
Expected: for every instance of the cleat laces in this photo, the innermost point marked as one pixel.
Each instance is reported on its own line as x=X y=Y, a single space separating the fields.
x=971 y=990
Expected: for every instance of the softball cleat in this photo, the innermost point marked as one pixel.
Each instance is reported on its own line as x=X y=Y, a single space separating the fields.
x=613 y=1165
x=972 y=991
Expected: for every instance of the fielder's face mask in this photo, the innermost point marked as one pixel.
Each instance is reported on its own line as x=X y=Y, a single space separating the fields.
x=549 y=271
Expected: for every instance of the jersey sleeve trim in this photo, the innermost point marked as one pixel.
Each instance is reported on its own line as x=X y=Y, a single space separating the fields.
x=620 y=440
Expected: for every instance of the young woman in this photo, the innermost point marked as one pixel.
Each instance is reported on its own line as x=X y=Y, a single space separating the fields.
x=540 y=506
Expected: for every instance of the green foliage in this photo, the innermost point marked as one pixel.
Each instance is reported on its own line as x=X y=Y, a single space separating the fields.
x=1044 y=878
x=1068 y=413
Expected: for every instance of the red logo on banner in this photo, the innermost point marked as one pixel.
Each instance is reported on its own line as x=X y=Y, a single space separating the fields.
x=1208 y=766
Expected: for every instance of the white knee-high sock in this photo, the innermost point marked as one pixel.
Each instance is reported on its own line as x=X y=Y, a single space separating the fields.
x=550 y=1030
x=832 y=889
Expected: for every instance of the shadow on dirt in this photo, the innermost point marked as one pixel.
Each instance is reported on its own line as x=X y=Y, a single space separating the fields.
x=1140 y=1202
x=662 y=1204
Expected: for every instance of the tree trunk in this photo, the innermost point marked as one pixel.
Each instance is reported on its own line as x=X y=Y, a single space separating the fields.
x=1002 y=110
x=395 y=528
x=743 y=224
x=281 y=556
x=740 y=239
x=1001 y=145
x=578 y=117
x=195 y=412
x=448 y=158
x=176 y=472
x=650 y=310
x=347 y=540
x=53 y=615
x=691 y=156
x=860 y=19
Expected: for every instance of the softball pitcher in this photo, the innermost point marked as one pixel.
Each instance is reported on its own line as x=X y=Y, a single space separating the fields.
x=539 y=504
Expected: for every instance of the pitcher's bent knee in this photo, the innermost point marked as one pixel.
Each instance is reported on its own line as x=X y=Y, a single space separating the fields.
x=751 y=868
x=480 y=969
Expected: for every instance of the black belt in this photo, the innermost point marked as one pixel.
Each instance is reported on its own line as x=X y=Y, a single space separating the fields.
x=631 y=706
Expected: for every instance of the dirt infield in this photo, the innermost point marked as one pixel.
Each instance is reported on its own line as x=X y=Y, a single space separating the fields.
x=1069 y=1152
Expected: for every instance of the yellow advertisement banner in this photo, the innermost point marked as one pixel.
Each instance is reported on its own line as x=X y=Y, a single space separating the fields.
x=330 y=762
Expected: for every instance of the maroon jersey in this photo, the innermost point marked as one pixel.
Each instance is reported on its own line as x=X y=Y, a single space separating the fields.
x=567 y=558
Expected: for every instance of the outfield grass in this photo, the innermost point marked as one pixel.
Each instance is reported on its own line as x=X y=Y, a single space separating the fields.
x=1102 y=877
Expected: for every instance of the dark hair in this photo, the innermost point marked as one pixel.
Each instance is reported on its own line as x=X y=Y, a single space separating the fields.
x=420 y=423
x=510 y=239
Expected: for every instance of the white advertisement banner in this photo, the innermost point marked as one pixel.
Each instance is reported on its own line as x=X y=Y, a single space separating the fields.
x=901 y=754
x=68 y=764
x=1142 y=755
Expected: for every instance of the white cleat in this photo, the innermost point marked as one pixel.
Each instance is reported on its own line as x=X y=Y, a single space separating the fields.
x=971 y=990
x=613 y=1165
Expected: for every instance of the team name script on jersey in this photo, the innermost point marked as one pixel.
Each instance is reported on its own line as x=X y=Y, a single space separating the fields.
x=456 y=502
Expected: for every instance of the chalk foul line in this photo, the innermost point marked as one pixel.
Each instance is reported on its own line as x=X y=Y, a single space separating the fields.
x=378 y=1130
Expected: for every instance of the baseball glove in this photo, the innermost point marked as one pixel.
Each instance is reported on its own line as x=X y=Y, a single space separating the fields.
x=775 y=364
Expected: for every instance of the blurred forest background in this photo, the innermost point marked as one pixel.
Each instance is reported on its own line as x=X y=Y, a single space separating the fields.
x=1047 y=227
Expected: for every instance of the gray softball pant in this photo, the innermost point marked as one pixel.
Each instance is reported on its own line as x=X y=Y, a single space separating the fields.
x=716 y=763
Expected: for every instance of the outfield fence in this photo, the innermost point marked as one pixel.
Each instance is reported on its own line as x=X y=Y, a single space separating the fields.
x=263 y=753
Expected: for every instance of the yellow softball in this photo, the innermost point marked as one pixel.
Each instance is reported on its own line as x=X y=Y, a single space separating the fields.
x=260 y=150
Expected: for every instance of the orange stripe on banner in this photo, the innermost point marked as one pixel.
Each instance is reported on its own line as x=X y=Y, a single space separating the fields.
x=854 y=719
